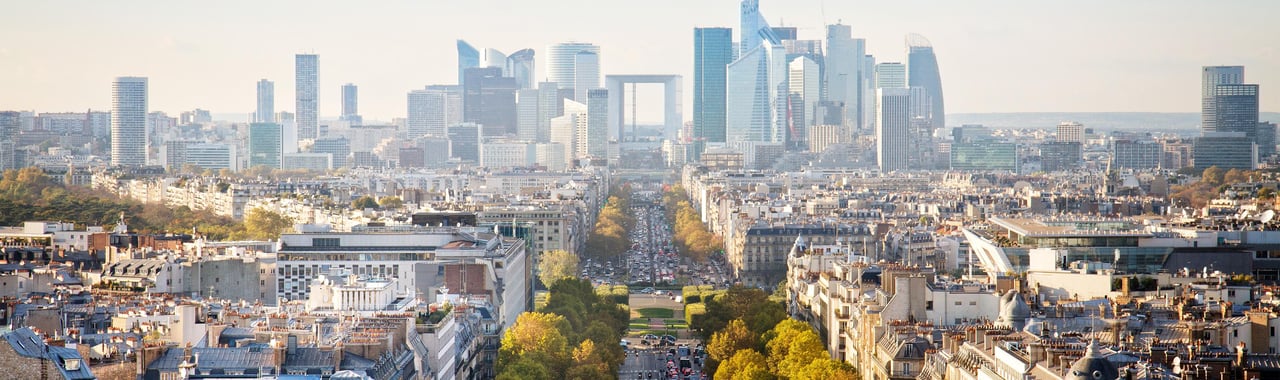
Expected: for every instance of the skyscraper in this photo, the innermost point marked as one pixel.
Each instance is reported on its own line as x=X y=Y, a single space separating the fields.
x=568 y=130
x=1070 y=131
x=550 y=105
x=350 y=104
x=265 y=144
x=755 y=29
x=468 y=57
x=464 y=141
x=494 y=58
x=805 y=89
x=307 y=93
x=891 y=75
x=521 y=67
x=756 y=91
x=10 y=121
x=893 y=133
x=596 y=135
x=431 y=110
x=266 y=111
x=712 y=52
x=563 y=68
x=527 y=114
x=489 y=99
x=844 y=72
x=1211 y=77
x=129 y=121
x=922 y=66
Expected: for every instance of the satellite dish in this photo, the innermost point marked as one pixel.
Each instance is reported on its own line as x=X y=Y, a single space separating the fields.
x=1267 y=216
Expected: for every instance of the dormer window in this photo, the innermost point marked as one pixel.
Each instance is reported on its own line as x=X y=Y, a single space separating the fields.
x=71 y=364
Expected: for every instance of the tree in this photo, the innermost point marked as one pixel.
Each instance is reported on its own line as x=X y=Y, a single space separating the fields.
x=588 y=362
x=791 y=346
x=538 y=336
x=365 y=202
x=1235 y=176
x=525 y=369
x=555 y=265
x=261 y=224
x=1213 y=175
x=744 y=365
x=826 y=369
x=391 y=202
x=733 y=338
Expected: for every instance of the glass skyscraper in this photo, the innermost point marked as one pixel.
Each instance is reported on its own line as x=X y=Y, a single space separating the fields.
x=922 y=71
x=265 y=144
x=350 y=104
x=520 y=66
x=567 y=66
x=266 y=111
x=129 y=121
x=468 y=57
x=307 y=92
x=712 y=52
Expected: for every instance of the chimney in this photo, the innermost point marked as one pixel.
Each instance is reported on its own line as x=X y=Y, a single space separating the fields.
x=1241 y=350
x=277 y=350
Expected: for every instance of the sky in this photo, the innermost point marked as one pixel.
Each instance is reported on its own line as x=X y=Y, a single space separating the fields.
x=994 y=55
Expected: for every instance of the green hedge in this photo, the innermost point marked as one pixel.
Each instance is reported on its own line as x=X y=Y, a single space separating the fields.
x=693 y=311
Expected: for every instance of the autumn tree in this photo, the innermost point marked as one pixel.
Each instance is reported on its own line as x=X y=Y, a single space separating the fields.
x=792 y=345
x=525 y=369
x=391 y=202
x=555 y=265
x=733 y=338
x=1213 y=175
x=365 y=202
x=261 y=224
x=537 y=336
x=826 y=369
x=744 y=365
x=588 y=363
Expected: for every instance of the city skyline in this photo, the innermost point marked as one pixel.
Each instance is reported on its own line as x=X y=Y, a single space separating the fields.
x=1164 y=44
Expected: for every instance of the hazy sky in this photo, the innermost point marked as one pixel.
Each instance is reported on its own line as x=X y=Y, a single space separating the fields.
x=995 y=56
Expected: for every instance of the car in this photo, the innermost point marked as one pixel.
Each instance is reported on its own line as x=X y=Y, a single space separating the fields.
x=650 y=337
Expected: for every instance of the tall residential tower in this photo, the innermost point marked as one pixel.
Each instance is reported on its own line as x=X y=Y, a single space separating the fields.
x=266 y=111
x=129 y=121
x=307 y=93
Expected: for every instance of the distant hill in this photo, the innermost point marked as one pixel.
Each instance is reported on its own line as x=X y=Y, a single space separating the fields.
x=1162 y=121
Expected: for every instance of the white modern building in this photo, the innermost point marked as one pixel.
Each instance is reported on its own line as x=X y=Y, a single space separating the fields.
x=755 y=104
x=891 y=75
x=805 y=83
x=507 y=154
x=129 y=121
x=846 y=79
x=893 y=128
x=574 y=65
x=433 y=109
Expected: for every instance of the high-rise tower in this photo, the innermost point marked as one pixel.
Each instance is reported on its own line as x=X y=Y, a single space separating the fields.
x=468 y=57
x=307 y=93
x=520 y=66
x=712 y=52
x=893 y=128
x=266 y=111
x=844 y=73
x=566 y=66
x=129 y=121
x=1211 y=77
x=350 y=104
x=922 y=71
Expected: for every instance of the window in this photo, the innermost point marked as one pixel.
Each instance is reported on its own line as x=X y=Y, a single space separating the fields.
x=325 y=242
x=958 y=303
x=973 y=303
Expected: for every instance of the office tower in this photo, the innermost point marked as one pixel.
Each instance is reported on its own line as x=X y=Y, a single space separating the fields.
x=339 y=147
x=1266 y=137
x=433 y=109
x=986 y=155
x=1226 y=150
x=1060 y=155
x=755 y=30
x=785 y=33
x=868 y=92
x=527 y=114
x=712 y=52
x=569 y=130
x=922 y=71
x=805 y=89
x=756 y=91
x=550 y=105
x=266 y=144
x=1211 y=77
x=494 y=58
x=508 y=154
x=596 y=135
x=266 y=111
x=586 y=71
x=307 y=91
x=521 y=67
x=1142 y=155
x=891 y=75
x=1235 y=109
x=563 y=68
x=210 y=156
x=1070 y=131
x=844 y=72
x=350 y=110
x=10 y=121
x=489 y=99
x=464 y=141
x=468 y=57
x=129 y=121
x=893 y=125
